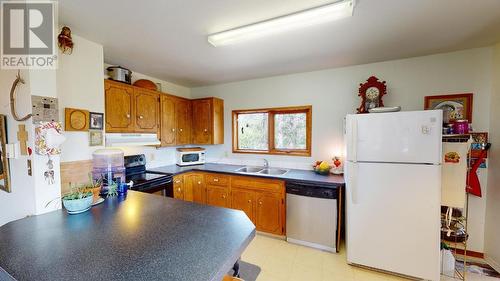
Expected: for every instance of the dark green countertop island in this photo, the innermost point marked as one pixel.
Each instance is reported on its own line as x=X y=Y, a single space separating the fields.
x=137 y=237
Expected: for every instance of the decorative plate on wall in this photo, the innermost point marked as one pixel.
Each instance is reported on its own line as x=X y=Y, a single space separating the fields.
x=76 y=120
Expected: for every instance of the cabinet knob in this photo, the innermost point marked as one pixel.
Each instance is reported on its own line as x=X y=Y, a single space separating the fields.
x=141 y=117
x=249 y=201
x=206 y=130
x=260 y=202
x=180 y=130
x=199 y=182
x=177 y=181
x=178 y=189
x=173 y=129
x=128 y=116
x=224 y=196
x=216 y=180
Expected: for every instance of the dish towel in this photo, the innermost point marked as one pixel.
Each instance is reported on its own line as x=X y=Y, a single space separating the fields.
x=454 y=174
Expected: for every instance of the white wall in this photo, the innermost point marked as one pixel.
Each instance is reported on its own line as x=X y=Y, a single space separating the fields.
x=492 y=231
x=333 y=94
x=80 y=85
x=21 y=202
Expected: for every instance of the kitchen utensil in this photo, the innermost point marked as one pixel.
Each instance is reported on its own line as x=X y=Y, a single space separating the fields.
x=120 y=74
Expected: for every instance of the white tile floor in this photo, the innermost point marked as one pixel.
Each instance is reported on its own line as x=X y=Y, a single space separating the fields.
x=282 y=261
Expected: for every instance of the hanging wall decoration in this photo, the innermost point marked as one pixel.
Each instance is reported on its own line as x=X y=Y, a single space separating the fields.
x=65 y=41
x=4 y=162
x=371 y=93
x=15 y=84
x=76 y=120
x=48 y=139
x=455 y=107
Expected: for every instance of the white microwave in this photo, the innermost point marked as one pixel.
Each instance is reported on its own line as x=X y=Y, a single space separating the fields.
x=190 y=156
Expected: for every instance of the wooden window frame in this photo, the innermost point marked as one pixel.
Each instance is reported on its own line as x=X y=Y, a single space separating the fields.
x=271 y=146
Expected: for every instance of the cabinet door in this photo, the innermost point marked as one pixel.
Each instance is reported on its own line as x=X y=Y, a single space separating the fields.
x=179 y=187
x=243 y=200
x=119 y=107
x=197 y=185
x=146 y=111
x=202 y=119
x=268 y=213
x=183 y=120
x=218 y=196
x=168 y=124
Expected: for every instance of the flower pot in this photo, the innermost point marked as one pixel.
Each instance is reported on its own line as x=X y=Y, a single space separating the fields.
x=77 y=206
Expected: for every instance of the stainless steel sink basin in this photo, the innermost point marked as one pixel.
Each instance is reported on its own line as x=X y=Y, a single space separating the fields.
x=273 y=171
x=250 y=170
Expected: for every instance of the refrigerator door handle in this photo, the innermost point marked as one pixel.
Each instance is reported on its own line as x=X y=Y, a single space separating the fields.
x=354 y=140
x=353 y=175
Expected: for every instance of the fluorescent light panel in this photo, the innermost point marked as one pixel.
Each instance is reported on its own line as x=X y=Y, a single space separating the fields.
x=326 y=13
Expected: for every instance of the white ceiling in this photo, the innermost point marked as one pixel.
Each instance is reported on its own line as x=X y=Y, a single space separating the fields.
x=167 y=38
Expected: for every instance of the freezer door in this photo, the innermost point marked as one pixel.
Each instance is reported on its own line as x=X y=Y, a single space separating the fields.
x=399 y=137
x=393 y=217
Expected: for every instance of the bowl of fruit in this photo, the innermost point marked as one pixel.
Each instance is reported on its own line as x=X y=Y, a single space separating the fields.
x=322 y=168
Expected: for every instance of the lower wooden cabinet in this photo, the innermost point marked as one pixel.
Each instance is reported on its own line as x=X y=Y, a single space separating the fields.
x=195 y=182
x=262 y=200
x=218 y=196
x=243 y=200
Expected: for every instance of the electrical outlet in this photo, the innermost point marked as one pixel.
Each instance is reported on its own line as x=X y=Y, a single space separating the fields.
x=152 y=157
x=226 y=153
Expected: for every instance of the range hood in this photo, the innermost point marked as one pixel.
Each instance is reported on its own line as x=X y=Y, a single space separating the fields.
x=132 y=140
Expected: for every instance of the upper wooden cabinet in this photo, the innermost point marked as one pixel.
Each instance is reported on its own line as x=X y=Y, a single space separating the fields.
x=130 y=109
x=208 y=121
x=176 y=121
x=119 y=107
x=147 y=110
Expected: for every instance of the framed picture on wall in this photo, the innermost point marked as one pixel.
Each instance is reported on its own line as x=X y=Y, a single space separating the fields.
x=96 y=121
x=96 y=138
x=4 y=162
x=455 y=106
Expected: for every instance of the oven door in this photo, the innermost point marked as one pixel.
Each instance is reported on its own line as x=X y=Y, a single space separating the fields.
x=163 y=186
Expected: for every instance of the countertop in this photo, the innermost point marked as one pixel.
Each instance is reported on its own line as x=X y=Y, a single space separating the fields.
x=137 y=237
x=292 y=175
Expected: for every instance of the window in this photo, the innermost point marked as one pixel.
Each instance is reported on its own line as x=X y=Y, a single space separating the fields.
x=285 y=131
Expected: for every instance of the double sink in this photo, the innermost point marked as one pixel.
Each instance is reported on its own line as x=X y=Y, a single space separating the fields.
x=262 y=171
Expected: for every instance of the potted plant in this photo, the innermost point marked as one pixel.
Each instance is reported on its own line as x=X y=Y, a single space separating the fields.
x=78 y=200
x=94 y=186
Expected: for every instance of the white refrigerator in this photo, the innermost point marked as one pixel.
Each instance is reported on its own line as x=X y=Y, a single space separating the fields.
x=393 y=191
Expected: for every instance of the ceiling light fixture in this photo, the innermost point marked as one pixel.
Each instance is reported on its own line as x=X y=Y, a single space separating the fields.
x=338 y=10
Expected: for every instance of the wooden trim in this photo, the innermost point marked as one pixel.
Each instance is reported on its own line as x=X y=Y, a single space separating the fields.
x=468 y=253
x=271 y=146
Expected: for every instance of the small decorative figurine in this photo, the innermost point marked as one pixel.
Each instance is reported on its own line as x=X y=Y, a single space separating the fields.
x=65 y=41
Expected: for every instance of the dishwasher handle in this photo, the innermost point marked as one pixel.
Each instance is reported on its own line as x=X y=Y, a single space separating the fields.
x=310 y=191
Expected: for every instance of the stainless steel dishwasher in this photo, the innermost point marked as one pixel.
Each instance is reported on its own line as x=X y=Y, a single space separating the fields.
x=311 y=215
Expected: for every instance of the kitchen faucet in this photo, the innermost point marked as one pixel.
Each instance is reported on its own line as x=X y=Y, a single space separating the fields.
x=266 y=163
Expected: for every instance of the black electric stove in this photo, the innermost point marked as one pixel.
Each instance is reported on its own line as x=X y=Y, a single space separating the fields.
x=135 y=172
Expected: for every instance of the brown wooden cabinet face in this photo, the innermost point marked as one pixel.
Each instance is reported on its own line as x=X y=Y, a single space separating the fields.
x=268 y=213
x=197 y=185
x=168 y=124
x=178 y=187
x=119 y=108
x=243 y=200
x=146 y=109
x=218 y=196
x=202 y=119
x=183 y=120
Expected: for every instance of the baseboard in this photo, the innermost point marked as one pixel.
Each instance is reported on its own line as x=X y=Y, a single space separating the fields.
x=469 y=253
x=492 y=263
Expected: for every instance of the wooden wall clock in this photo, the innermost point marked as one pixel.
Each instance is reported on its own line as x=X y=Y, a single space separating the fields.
x=371 y=93
x=76 y=119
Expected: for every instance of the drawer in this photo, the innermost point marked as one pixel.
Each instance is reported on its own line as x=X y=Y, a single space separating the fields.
x=276 y=186
x=242 y=182
x=217 y=179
